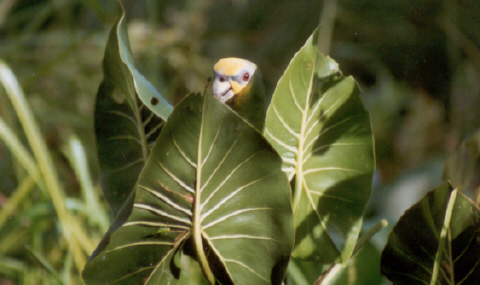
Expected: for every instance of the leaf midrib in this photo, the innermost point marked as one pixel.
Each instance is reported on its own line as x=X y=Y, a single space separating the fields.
x=197 y=231
x=299 y=165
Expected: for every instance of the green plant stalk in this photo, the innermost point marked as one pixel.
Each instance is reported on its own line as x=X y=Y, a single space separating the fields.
x=42 y=157
x=327 y=20
x=66 y=273
x=15 y=199
x=40 y=259
x=443 y=236
x=20 y=153
x=95 y=211
x=14 y=239
x=328 y=275
x=11 y=266
x=362 y=240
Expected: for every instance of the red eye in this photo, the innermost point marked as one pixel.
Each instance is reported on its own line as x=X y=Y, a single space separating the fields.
x=246 y=76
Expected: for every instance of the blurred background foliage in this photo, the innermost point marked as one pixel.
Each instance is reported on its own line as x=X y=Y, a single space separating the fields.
x=417 y=61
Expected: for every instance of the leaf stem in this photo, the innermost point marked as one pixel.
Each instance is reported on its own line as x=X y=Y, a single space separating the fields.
x=363 y=239
x=443 y=237
x=328 y=275
x=327 y=25
x=197 y=229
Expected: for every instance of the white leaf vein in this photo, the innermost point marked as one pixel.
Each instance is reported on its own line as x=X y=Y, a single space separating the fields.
x=153 y=130
x=314 y=170
x=155 y=225
x=314 y=139
x=233 y=214
x=227 y=178
x=212 y=145
x=331 y=197
x=227 y=198
x=292 y=92
x=280 y=142
x=176 y=179
x=147 y=120
x=126 y=116
x=161 y=213
x=167 y=200
x=125 y=137
x=219 y=165
x=128 y=165
x=246 y=267
x=287 y=127
x=140 y=243
x=242 y=236
x=184 y=155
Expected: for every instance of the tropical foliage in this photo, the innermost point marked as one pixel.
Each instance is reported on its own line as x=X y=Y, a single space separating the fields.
x=189 y=193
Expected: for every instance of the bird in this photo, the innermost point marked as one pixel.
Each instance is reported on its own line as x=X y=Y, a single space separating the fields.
x=238 y=83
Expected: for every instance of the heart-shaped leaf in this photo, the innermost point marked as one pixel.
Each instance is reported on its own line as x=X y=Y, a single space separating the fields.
x=317 y=123
x=436 y=241
x=212 y=188
x=123 y=125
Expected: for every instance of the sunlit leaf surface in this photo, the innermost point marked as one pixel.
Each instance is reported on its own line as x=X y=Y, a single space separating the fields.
x=210 y=176
x=318 y=125
x=433 y=243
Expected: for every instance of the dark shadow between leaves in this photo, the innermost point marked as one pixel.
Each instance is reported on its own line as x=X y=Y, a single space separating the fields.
x=216 y=265
x=466 y=255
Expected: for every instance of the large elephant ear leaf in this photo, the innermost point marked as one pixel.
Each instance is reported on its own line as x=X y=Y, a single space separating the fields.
x=436 y=241
x=212 y=188
x=319 y=126
x=125 y=123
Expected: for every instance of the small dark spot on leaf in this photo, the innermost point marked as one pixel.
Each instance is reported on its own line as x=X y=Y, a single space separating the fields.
x=309 y=65
x=154 y=101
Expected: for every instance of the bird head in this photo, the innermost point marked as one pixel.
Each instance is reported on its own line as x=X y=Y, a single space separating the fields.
x=232 y=77
x=238 y=83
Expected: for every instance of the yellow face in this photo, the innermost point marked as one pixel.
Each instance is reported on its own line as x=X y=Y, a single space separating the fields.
x=232 y=75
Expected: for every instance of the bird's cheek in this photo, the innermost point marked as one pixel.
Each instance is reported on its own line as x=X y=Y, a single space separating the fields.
x=219 y=88
x=236 y=87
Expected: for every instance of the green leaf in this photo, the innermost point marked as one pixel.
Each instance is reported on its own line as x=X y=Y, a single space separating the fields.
x=436 y=241
x=463 y=166
x=318 y=125
x=362 y=269
x=119 y=67
x=124 y=125
x=212 y=188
